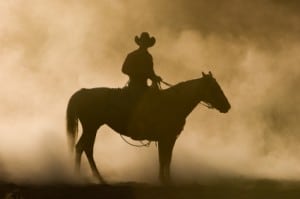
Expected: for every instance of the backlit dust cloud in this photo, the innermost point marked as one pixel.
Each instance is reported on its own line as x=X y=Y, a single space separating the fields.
x=50 y=49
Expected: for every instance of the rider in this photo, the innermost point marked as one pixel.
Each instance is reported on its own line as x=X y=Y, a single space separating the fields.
x=138 y=64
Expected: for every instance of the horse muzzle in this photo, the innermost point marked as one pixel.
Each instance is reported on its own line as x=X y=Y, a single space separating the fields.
x=225 y=109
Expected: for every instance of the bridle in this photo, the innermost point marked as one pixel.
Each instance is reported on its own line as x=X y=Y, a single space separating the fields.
x=208 y=105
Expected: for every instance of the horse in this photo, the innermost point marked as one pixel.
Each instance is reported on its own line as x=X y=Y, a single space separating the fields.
x=155 y=115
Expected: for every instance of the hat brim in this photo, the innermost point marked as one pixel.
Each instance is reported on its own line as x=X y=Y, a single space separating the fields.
x=146 y=42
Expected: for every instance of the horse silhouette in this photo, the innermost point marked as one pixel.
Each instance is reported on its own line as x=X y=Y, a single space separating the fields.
x=156 y=115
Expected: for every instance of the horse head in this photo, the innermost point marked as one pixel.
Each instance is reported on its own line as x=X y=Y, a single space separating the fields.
x=214 y=95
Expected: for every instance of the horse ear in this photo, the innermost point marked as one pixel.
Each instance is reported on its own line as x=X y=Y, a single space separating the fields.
x=203 y=74
x=210 y=73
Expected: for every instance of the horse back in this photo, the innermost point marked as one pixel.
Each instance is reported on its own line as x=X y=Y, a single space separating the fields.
x=95 y=103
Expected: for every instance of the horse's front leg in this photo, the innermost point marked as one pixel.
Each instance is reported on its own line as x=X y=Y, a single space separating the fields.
x=165 y=148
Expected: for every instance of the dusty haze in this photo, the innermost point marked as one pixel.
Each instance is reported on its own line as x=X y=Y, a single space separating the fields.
x=49 y=49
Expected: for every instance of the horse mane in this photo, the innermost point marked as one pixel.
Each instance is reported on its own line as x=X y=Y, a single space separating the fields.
x=181 y=86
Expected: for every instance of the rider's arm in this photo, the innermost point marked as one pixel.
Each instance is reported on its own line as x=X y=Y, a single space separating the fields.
x=153 y=76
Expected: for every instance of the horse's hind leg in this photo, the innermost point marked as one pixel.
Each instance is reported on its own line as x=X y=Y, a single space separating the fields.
x=89 y=149
x=86 y=144
x=79 y=150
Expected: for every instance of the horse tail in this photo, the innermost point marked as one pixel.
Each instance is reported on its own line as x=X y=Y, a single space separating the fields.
x=72 y=122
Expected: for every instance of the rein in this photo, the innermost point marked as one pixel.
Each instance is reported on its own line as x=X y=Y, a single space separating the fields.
x=202 y=103
x=143 y=144
x=166 y=83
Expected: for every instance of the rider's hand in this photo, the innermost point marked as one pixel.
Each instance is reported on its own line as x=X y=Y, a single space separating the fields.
x=158 y=79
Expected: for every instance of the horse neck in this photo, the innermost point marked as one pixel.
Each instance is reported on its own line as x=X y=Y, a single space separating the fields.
x=186 y=95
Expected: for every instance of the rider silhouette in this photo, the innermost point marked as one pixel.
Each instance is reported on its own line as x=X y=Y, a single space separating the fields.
x=138 y=64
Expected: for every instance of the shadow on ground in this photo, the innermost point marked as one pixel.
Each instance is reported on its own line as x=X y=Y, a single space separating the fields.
x=241 y=190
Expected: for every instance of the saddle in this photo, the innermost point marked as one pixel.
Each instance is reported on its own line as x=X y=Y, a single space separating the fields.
x=134 y=106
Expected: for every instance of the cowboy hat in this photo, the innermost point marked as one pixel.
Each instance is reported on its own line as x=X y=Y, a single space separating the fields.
x=144 y=40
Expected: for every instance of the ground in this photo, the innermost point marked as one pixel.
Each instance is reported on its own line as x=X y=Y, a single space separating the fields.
x=254 y=189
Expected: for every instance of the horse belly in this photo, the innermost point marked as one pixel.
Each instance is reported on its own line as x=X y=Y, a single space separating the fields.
x=153 y=123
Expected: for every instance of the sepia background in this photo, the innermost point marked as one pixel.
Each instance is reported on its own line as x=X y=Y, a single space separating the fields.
x=50 y=49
